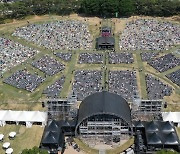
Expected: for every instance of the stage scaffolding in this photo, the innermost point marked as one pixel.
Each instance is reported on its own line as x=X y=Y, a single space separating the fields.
x=146 y=109
x=62 y=109
x=106 y=130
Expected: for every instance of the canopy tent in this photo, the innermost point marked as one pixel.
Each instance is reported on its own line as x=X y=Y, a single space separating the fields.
x=167 y=127
x=151 y=126
x=138 y=124
x=171 y=138
x=172 y=116
x=52 y=126
x=28 y=117
x=153 y=138
x=161 y=134
x=53 y=137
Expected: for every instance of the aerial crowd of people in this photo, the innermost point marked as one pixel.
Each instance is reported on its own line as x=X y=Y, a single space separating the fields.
x=48 y=65
x=65 y=56
x=149 y=34
x=90 y=58
x=174 y=77
x=87 y=82
x=165 y=62
x=23 y=79
x=13 y=53
x=146 y=56
x=123 y=83
x=57 y=35
x=142 y=34
x=54 y=90
x=117 y=58
x=156 y=89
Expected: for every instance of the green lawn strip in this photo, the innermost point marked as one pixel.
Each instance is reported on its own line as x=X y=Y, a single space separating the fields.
x=106 y=60
x=89 y=66
x=12 y=94
x=122 y=147
x=128 y=66
x=51 y=80
x=170 y=71
x=10 y=27
x=107 y=79
x=116 y=37
x=104 y=72
x=69 y=75
x=141 y=76
x=84 y=147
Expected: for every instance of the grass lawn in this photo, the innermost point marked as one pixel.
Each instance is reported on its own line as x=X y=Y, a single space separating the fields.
x=142 y=82
x=26 y=137
x=178 y=131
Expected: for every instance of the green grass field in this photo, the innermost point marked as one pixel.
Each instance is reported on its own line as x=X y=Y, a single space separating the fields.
x=17 y=99
x=25 y=138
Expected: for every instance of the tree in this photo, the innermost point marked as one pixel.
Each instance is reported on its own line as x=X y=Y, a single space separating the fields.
x=90 y=7
x=34 y=150
x=126 y=7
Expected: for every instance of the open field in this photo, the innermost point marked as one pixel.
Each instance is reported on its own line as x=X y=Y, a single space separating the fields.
x=26 y=137
x=17 y=99
x=178 y=131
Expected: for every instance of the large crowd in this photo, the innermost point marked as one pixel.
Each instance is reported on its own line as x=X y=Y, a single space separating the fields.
x=48 y=65
x=174 y=77
x=64 y=35
x=117 y=58
x=149 y=34
x=156 y=89
x=12 y=54
x=22 y=79
x=165 y=62
x=66 y=56
x=123 y=83
x=54 y=90
x=86 y=83
x=146 y=56
x=90 y=58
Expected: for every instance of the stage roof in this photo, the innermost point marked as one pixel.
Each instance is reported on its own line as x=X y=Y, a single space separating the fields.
x=104 y=103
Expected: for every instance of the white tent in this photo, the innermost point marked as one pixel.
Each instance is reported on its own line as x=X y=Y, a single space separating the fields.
x=28 y=117
x=172 y=116
x=40 y=116
x=2 y=113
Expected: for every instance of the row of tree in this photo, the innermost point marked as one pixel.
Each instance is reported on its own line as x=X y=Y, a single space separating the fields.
x=101 y=8
x=110 y=8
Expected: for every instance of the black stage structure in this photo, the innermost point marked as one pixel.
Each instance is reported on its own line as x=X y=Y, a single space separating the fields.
x=105 y=41
x=104 y=115
x=153 y=136
x=107 y=117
